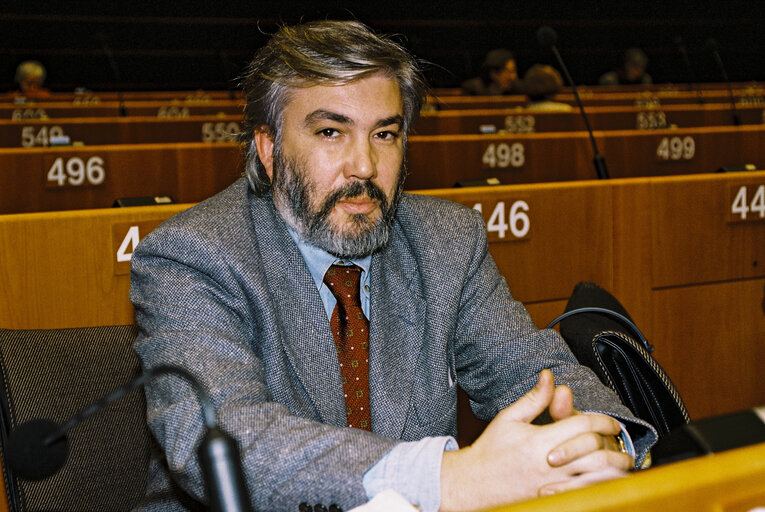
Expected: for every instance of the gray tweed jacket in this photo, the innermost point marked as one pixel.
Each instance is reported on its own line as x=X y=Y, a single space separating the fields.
x=222 y=290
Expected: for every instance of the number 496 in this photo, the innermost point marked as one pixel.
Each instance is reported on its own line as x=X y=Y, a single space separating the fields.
x=74 y=171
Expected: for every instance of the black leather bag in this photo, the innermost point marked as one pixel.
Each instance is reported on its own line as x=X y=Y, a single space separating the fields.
x=601 y=335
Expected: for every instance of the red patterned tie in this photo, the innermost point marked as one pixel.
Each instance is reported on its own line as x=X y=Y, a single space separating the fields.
x=351 y=331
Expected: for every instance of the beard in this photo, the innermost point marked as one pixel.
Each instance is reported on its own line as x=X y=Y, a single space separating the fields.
x=295 y=197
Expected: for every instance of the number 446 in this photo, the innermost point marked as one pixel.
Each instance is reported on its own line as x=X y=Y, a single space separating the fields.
x=518 y=224
x=742 y=207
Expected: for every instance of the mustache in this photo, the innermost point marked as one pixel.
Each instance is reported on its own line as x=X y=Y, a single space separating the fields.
x=351 y=190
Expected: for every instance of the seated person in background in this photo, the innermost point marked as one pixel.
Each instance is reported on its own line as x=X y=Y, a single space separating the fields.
x=30 y=76
x=499 y=75
x=541 y=83
x=632 y=70
x=332 y=316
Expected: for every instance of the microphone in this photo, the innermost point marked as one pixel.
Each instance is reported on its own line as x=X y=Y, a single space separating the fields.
x=115 y=71
x=38 y=449
x=714 y=49
x=547 y=38
x=688 y=68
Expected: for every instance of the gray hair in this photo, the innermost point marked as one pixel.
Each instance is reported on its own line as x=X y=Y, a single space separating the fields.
x=318 y=53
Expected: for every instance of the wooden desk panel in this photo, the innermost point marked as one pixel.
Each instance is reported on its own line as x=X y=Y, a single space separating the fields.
x=566 y=235
x=441 y=161
x=95 y=97
x=592 y=98
x=46 y=179
x=730 y=481
x=710 y=338
x=61 y=269
x=119 y=130
x=708 y=230
x=519 y=120
x=157 y=108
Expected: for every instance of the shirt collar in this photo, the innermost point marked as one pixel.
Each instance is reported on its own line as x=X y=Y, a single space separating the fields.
x=319 y=260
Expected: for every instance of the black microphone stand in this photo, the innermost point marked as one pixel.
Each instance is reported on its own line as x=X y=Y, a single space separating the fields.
x=712 y=45
x=115 y=72
x=547 y=38
x=218 y=452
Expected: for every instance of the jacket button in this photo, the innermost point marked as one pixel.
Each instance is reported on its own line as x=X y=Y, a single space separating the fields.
x=319 y=508
x=335 y=508
x=305 y=507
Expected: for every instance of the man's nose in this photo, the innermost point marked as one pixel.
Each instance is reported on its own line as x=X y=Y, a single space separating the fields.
x=362 y=161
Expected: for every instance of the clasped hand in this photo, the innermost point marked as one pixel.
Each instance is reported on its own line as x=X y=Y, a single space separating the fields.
x=514 y=460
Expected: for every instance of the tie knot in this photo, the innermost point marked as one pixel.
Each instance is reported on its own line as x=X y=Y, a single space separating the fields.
x=343 y=282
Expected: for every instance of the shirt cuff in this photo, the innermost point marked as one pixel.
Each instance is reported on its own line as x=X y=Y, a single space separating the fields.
x=413 y=469
x=624 y=435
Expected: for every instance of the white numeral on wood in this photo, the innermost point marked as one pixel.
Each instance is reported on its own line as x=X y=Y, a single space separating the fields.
x=518 y=222
x=75 y=172
x=675 y=148
x=128 y=245
x=42 y=137
x=504 y=155
x=742 y=207
x=219 y=132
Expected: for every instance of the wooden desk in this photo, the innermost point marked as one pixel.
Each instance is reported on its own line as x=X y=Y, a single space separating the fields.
x=731 y=481
x=518 y=120
x=94 y=97
x=592 y=97
x=157 y=108
x=62 y=178
x=687 y=268
x=674 y=251
x=29 y=133
x=441 y=161
x=71 y=269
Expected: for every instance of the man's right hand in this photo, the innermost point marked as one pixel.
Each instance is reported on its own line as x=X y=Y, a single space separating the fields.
x=514 y=460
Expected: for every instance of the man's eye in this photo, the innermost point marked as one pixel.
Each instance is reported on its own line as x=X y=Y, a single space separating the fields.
x=328 y=132
x=387 y=135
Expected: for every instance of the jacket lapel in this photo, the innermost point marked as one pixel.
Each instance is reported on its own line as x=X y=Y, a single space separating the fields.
x=300 y=318
x=397 y=313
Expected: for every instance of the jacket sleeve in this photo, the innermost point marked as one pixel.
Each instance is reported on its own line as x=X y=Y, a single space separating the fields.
x=499 y=352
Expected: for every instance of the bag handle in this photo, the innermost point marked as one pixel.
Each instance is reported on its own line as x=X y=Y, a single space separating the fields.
x=621 y=317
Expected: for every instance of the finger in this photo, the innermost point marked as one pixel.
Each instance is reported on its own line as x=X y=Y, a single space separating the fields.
x=572 y=426
x=579 y=446
x=599 y=460
x=562 y=405
x=579 y=481
x=533 y=403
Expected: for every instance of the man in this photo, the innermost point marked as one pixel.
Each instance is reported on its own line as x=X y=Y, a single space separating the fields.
x=335 y=396
x=499 y=75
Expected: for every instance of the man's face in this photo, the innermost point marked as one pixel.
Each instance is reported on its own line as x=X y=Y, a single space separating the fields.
x=338 y=172
x=506 y=75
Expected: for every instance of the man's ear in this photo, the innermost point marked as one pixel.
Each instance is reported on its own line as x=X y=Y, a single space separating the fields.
x=264 y=144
